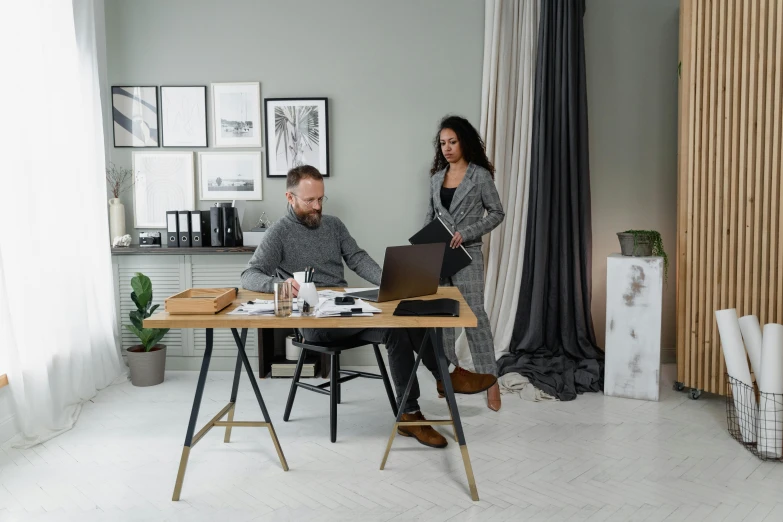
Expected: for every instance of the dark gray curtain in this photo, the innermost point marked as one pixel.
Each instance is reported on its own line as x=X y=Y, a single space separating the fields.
x=553 y=342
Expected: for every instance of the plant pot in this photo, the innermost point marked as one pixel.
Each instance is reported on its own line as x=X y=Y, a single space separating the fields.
x=642 y=248
x=116 y=219
x=147 y=368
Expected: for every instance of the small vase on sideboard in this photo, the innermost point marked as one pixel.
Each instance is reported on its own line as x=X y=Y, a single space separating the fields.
x=116 y=219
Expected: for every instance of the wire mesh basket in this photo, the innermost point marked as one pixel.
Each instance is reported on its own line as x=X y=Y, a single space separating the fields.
x=755 y=419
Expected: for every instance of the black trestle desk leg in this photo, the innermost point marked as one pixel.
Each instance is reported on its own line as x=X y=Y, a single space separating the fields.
x=443 y=366
x=235 y=388
x=254 y=384
x=202 y=379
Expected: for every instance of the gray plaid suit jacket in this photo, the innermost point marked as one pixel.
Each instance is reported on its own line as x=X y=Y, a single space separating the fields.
x=475 y=196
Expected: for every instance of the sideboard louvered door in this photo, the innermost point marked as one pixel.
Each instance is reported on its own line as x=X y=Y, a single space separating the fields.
x=171 y=274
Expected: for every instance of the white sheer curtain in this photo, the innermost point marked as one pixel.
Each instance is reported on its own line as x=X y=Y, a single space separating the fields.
x=58 y=331
x=510 y=44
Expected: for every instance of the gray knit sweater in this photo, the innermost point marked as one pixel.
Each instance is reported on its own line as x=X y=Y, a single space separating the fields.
x=291 y=246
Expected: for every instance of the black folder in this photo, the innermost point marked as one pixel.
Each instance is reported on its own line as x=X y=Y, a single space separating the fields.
x=184 y=228
x=199 y=228
x=216 y=226
x=454 y=259
x=172 y=229
x=430 y=307
x=232 y=230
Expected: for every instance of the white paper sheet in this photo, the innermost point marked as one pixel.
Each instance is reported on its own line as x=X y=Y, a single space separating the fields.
x=737 y=367
x=751 y=335
x=770 y=409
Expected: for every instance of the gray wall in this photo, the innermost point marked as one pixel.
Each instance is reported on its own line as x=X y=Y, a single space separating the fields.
x=389 y=69
x=387 y=91
x=631 y=51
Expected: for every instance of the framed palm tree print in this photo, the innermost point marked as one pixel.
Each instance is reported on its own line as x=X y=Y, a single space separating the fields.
x=297 y=133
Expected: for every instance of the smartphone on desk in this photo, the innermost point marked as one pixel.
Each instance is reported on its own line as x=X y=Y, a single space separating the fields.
x=344 y=300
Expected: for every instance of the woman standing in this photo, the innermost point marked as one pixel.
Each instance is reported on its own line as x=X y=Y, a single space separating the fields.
x=462 y=190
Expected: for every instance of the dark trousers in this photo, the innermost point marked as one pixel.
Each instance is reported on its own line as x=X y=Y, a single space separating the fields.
x=402 y=344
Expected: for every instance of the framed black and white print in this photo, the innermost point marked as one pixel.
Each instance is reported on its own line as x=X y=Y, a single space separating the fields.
x=236 y=114
x=183 y=116
x=229 y=175
x=163 y=180
x=297 y=133
x=135 y=116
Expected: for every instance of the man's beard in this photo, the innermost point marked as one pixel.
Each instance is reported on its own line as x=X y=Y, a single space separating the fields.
x=309 y=218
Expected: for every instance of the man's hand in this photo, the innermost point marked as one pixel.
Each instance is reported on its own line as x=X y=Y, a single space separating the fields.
x=456 y=241
x=294 y=285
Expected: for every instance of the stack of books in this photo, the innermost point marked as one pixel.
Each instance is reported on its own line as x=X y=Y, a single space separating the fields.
x=285 y=368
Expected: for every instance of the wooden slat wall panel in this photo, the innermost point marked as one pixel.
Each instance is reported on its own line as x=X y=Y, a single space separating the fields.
x=729 y=212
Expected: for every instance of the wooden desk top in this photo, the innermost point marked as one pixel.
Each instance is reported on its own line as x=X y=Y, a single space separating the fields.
x=385 y=319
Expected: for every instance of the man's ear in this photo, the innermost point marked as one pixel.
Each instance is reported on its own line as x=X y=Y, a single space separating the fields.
x=289 y=197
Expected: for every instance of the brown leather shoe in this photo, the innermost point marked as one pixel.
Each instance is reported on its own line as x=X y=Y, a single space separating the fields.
x=467 y=382
x=493 y=397
x=424 y=434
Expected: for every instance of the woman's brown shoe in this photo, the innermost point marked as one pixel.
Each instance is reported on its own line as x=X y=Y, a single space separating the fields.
x=493 y=397
x=424 y=434
x=464 y=381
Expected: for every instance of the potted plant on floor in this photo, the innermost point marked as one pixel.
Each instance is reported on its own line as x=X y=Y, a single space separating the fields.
x=147 y=360
x=644 y=243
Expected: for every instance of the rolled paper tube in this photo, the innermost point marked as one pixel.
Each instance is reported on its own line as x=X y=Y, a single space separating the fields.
x=737 y=367
x=771 y=404
x=751 y=335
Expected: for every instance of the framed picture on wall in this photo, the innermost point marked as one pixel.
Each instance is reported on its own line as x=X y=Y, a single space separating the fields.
x=297 y=133
x=135 y=116
x=236 y=114
x=183 y=111
x=162 y=181
x=229 y=175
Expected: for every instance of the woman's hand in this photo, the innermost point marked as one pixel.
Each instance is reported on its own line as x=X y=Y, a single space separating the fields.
x=294 y=286
x=456 y=241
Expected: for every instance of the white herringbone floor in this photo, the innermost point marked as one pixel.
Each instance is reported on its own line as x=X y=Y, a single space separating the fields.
x=595 y=458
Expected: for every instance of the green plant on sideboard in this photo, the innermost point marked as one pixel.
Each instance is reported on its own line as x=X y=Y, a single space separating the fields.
x=142 y=298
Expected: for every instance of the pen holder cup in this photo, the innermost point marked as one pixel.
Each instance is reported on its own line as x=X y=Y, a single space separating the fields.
x=309 y=293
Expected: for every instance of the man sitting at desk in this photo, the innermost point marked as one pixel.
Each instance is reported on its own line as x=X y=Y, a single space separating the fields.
x=304 y=237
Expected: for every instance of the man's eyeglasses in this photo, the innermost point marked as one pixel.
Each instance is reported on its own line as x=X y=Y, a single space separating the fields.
x=311 y=202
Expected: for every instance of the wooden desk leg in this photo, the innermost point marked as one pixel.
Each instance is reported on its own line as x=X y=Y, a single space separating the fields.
x=235 y=388
x=254 y=384
x=443 y=365
x=266 y=351
x=202 y=379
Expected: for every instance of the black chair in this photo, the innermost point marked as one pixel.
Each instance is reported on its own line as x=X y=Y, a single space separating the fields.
x=336 y=379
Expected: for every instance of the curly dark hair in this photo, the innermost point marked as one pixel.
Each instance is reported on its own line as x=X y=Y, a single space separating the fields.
x=473 y=149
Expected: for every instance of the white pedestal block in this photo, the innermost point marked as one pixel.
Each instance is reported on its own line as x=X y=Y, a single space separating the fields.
x=634 y=292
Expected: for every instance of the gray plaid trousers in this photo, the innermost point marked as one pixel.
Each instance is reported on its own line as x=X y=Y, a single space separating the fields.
x=470 y=282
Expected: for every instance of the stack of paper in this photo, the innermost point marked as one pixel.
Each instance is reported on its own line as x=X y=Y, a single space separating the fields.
x=259 y=307
x=327 y=308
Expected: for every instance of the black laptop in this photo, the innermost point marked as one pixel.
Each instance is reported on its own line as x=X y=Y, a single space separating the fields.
x=408 y=271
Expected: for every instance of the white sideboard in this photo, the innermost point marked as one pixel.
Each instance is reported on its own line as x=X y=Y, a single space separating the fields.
x=173 y=270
